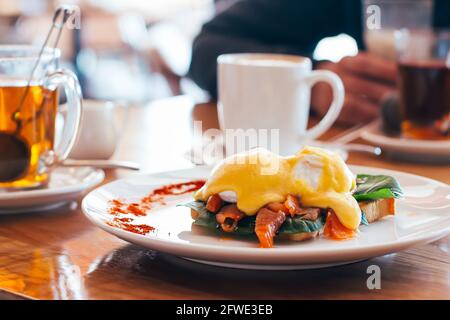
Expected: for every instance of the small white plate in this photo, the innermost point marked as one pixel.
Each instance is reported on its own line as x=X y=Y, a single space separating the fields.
x=422 y=216
x=408 y=149
x=65 y=184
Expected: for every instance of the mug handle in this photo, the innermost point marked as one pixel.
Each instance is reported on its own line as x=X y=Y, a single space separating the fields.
x=69 y=81
x=122 y=117
x=120 y=122
x=336 y=105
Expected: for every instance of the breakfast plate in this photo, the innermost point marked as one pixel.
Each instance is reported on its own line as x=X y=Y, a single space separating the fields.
x=65 y=184
x=408 y=149
x=422 y=216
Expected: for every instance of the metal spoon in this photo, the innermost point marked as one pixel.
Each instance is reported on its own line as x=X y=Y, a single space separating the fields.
x=343 y=140
x=350 y=147
x=356 y=147
x=104 y=164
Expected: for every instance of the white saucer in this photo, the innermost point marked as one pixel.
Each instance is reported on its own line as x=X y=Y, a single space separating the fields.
x=65 y=184
x=408 y=149
x=422 y=216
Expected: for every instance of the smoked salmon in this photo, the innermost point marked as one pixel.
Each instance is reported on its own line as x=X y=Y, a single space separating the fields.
x=228 y=217
x=214 y=203
x=335 y=230
x=267 y=224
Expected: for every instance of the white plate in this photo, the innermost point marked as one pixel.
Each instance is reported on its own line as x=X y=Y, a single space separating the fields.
x=423 y=216
x=417 y=150
x=65 y=184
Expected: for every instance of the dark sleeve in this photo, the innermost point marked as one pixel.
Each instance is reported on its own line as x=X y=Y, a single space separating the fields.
x=441 y=14
x=263 y=26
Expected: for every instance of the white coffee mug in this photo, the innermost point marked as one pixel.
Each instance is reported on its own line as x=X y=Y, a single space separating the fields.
x=270 y=91
x=99 y=131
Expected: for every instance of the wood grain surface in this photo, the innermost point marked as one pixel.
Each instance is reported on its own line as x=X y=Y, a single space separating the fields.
x=60 y=255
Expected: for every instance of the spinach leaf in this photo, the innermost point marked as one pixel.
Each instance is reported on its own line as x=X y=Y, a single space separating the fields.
x=198 y=206
x=246 y=225
x=298 y=225
x=205 y=217
x=370 y=187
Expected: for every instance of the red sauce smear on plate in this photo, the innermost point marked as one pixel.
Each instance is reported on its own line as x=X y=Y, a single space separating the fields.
x=136 y=209
x=139 y=209
x=179 y=188
x=135 y=228
x=123 y=220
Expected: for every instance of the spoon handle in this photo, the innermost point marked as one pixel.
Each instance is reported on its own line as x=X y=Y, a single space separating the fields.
x=104 y=164
x=355 y=147
x=354 y=133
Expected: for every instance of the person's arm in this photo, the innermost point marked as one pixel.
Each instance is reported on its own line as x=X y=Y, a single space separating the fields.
x=441 y=14
x=367 y=79
x=207 y=47
x=262 y=26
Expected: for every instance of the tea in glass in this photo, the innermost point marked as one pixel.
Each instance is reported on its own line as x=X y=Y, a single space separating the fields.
x=26 y=134
x=28 y=109
x=424 y=84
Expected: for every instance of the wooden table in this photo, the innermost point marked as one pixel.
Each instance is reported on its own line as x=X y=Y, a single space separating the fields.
x=60 y=255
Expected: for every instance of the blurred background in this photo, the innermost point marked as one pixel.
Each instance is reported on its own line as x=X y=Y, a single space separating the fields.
x=130 y=50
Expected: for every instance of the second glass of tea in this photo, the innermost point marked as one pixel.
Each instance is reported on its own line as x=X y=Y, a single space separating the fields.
x=424 y=83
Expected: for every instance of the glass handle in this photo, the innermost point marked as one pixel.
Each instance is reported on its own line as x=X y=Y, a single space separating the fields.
x=69 y=81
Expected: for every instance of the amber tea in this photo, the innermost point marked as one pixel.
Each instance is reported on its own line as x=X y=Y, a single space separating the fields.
x=425 y=99
x=25 y=134
x=424 y=82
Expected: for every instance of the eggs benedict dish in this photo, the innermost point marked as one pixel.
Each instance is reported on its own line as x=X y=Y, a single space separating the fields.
x=295 y=197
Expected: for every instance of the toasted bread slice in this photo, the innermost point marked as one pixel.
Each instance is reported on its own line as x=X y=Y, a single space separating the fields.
x=377 y=209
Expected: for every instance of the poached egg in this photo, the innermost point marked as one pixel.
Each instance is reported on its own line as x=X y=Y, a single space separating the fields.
x=257 y=177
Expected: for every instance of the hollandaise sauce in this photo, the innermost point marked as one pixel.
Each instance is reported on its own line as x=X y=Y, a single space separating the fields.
x=259 y=177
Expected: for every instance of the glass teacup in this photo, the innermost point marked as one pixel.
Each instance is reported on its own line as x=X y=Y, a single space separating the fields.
x=28 y=113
